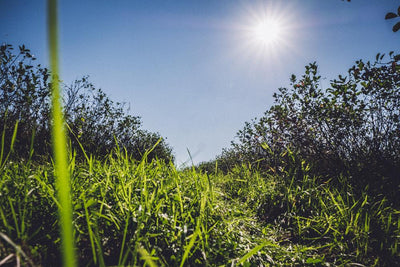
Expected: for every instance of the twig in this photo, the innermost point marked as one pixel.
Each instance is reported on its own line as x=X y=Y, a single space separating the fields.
x=17 y=248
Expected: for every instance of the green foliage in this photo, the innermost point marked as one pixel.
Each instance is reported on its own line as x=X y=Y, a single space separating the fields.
x=392 y=15
x=24 y=97
x=350 y=128
x=95 y=122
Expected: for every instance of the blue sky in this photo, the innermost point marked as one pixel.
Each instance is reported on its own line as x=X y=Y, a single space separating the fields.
x=190 y=69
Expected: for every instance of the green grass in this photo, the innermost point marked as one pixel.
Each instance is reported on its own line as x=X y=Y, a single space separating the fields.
x=127 y=212
x=118 y=211
x=59 y=142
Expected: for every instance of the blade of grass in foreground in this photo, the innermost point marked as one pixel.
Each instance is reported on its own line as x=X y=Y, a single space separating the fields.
x=59 y=143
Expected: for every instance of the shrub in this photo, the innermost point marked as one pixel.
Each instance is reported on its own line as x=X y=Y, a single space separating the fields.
x=352 y=127
x=95 y=121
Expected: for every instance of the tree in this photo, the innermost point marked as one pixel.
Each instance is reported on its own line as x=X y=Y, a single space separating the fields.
x=95 y=122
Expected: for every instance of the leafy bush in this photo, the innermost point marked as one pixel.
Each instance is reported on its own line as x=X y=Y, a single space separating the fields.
x=97 y=123
x=352 y=127
x=24 y=97
x=94 y=121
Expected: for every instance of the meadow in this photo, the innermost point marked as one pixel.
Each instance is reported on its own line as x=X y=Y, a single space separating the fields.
x=313 y=182
x=134 y=213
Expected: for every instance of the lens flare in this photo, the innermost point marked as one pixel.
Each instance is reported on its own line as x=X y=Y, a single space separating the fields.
x=267 y=32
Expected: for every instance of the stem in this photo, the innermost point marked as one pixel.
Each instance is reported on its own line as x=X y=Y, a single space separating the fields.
x=59 y=144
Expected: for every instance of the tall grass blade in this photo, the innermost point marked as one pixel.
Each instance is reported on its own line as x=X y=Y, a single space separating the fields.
x=13 y=138
x=123 y=240
x=59 y=143
x=252 y=252
x=190 y=245
x=3 y=137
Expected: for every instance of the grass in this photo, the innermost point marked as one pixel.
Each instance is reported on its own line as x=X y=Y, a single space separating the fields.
x=118 y=211
x=128 y=212
x=59 y=142
x=124 y=212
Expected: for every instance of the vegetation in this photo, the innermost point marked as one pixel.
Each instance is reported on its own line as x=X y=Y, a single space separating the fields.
x=25 y=98
x=264 y=205
x=312 y=182
x=129 y=212
x=59 y=144
x=392 y=15
x=351 y=128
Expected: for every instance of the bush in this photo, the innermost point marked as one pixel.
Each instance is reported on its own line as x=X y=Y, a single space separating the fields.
x=24 y=97
x=95 y=122
x=351 y=128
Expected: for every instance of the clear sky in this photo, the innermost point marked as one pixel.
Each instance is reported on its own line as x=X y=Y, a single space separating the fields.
x=195 y=71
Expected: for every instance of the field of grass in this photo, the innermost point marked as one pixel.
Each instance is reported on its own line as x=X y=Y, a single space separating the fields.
x=127 y=212
x=121 y=212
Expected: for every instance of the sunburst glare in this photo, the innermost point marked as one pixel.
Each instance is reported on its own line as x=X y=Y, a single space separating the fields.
x=266 y=32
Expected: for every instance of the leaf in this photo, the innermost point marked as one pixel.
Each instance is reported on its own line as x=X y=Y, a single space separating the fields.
x=266 y=147
x=191 y=244
x=90 y=202
x=254 y=251
x=390 y=15
x=148 y=259
x=314 y=261
x=396 y=27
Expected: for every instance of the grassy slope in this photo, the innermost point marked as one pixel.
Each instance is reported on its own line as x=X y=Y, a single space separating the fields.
x=129 y=212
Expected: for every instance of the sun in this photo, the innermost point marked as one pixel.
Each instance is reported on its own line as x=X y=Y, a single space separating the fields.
x=266 y=32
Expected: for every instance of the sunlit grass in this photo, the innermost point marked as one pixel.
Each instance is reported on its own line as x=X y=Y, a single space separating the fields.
x=119 y=211
x=129 y=212
x=59 y=142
